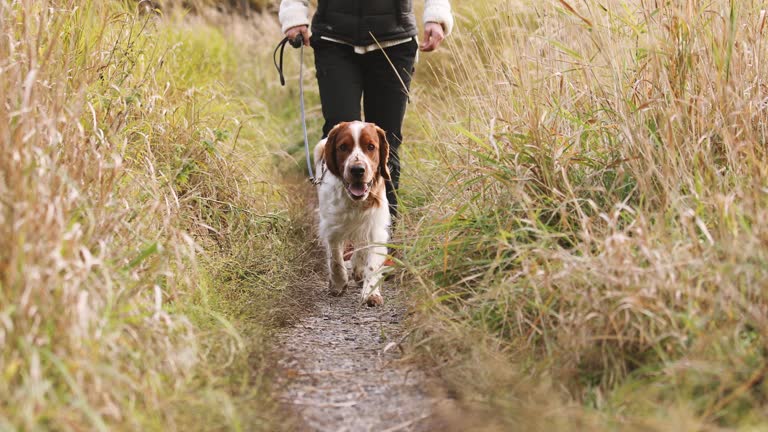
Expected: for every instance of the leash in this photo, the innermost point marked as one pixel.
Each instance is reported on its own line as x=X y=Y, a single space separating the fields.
x=297 y=42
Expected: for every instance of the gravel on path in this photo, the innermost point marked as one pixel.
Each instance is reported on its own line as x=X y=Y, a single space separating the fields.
x=342 y=368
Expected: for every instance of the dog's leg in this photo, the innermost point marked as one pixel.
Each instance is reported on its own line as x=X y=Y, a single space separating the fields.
x=376 y=254
x=336 y=269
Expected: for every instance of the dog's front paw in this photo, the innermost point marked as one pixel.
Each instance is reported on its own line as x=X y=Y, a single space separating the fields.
x=374 y=300
x=336 y=290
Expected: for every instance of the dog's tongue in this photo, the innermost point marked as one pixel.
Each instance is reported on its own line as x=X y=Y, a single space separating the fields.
x=357 y=189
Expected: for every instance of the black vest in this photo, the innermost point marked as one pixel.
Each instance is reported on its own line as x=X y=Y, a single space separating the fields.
x=354 y=21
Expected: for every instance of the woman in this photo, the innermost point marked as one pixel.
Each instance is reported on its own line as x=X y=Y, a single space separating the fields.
x=354 y=42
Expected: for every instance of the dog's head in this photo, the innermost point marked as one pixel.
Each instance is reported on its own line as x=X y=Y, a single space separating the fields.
x=357 y=153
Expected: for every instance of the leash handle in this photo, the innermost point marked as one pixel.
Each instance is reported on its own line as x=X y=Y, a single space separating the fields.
x=297 y=41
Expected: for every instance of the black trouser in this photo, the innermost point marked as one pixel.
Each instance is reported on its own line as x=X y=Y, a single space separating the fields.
x=345 y=77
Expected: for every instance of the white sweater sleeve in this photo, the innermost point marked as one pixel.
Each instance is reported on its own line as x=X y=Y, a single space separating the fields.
x=293 y=13
x=438 y=11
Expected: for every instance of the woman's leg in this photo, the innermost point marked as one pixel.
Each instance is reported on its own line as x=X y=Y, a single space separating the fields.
x=385 y=96
x=340 y=79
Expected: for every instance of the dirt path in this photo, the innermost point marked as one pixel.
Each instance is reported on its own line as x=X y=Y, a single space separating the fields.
x=342 y=367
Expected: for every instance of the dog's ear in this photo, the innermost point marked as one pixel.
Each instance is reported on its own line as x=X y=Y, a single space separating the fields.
x=329 y=153
x=383 y=154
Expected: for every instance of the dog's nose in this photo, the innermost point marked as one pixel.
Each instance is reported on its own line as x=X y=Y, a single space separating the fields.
x=357 y=170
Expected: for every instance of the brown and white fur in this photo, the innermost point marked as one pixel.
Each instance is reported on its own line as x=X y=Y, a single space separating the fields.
x=353 y=205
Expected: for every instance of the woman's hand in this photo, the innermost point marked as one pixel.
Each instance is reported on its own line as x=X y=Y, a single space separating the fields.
x=433 y=35
x=302 y=30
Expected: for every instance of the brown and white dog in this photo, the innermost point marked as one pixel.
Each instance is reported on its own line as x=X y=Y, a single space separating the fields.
x=353 y=205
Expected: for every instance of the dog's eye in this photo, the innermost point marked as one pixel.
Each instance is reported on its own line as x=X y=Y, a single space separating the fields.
x=343 y=147
x=371 y=147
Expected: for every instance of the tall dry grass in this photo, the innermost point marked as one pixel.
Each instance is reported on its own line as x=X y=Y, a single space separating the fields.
x=143 y=246
x=586 y=192
x=240 y=7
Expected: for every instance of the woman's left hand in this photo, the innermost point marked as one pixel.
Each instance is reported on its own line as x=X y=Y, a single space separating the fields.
x=433 y=35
